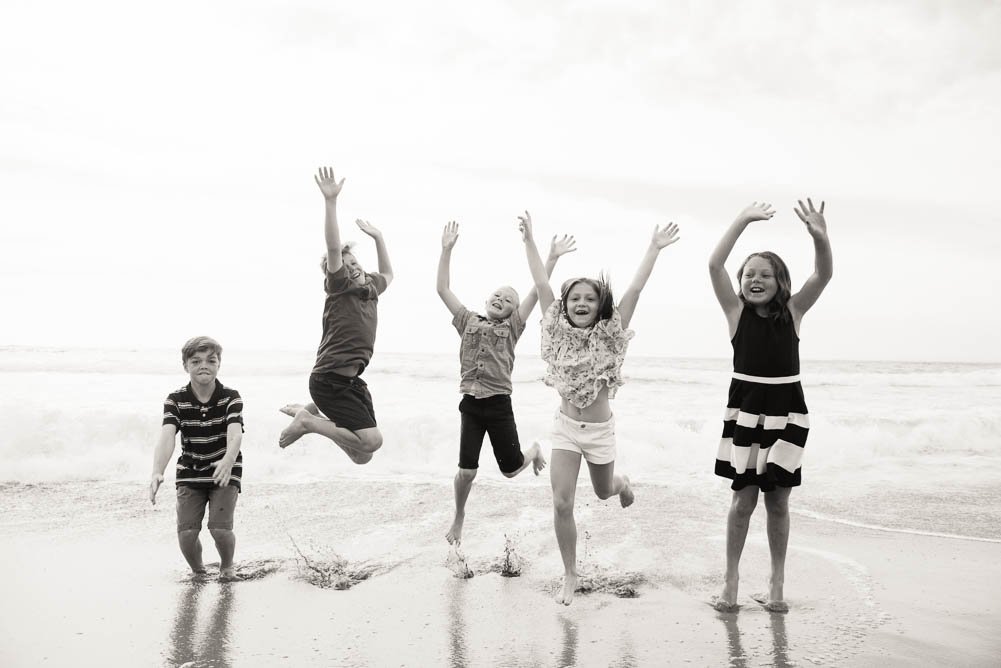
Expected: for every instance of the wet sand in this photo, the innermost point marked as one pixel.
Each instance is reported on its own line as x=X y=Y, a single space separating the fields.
x=94 y=575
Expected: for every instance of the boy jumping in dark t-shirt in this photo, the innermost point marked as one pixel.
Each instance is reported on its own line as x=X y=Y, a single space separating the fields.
x=342 y=407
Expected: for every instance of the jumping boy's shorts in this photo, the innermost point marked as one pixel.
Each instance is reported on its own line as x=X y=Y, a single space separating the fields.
x=345 y=400
x=494 y=416
x=595 y=441
x=191 y=502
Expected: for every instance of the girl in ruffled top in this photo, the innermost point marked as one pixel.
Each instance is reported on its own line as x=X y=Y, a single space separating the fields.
x=584 y=340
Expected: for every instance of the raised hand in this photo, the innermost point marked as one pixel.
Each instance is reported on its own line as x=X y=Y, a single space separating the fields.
x=812 y=218
x=566 y=244
x=329 y=186
x=755 y=212
x=662 y=238
x=450 y=235
x=525 y=226
x=368 y=228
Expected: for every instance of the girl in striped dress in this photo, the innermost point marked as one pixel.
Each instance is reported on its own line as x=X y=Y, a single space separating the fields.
x=766 y=420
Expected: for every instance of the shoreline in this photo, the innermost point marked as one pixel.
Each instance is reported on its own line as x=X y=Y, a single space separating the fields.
x=859 y=597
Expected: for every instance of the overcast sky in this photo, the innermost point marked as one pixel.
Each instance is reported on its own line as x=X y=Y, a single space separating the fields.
x=156 y=171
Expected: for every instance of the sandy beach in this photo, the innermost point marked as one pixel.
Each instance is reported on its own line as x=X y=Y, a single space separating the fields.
x=96 y=577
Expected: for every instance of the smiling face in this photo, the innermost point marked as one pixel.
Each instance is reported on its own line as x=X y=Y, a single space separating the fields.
x=758 y=281
x=582 y=304
x=502 y=303
x=353 y=267
x=203 y=367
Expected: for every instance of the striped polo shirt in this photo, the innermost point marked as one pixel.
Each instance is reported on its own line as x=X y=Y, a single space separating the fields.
x=202 y=427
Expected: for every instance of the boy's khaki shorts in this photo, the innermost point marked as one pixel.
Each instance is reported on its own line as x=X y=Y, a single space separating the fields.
x=191 y=502
x=595 y=441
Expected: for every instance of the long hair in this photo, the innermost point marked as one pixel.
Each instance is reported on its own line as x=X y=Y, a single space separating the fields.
x=601 y=285
x=778 y=307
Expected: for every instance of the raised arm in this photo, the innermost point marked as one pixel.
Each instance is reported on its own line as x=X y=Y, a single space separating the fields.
x=161 y=455
x=385 y=267
x=823 y=263
x=331 y=188
x=449 y=236
x=722 y=286
x=662 y=238
x=557 y=247
x=539 y=275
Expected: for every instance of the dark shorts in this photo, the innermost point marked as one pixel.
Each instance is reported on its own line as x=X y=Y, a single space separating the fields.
x=191 y=502
x=345 y=400
x=493 y=416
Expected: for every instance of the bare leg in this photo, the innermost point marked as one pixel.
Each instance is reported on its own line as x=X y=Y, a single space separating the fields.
x=737 y=522
x=463 y=483
x=359 y=445
x=191 y=548
x=225 y=543
x=532 y=456
x=777 y=507
x=563 y=478
x=607 y=483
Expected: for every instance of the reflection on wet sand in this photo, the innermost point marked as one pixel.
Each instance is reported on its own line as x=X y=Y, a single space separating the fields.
x=457 y=654
x=207 y=644
x=780 y=643
x=569 y=655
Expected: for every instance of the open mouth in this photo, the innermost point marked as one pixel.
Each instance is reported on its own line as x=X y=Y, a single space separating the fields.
x=496 y=305
x=756 y=290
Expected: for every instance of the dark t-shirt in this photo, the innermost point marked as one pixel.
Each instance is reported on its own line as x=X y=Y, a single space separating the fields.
x=350 y=316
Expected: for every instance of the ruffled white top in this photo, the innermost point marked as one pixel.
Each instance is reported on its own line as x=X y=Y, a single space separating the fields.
x=582 y=359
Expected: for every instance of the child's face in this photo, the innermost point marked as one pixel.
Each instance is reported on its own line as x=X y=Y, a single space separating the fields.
x=355 y=272
x=582 y=304
x=502 y=303
x=203 y=367
x=758 y=284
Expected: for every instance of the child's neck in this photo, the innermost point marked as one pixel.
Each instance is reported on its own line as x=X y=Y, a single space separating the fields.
x=203 y=391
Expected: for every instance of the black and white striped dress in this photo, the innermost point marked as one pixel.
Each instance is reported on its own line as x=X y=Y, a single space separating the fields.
x=766 y=420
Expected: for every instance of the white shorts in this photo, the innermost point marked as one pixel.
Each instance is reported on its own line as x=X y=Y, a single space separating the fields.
x=595 y=441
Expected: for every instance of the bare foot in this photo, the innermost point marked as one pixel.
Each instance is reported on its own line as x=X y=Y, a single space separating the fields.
x=292 y=409
x=228 y=574
x=771 y=605
x=727 y=599
x=454 y=535
x=626 y=496
x=569 y=588
x=296 y=429
x=535 y=454
x=720 y=605
x=773 y=601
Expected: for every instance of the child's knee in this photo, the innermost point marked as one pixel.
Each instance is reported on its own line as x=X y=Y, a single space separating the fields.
x=603 y=492
x=744 y=505
x=777 y=505
x=221 y=534
x=360 y=457
x=188 y=535
x=371 y=441
x=465 y=475
x=563 y=505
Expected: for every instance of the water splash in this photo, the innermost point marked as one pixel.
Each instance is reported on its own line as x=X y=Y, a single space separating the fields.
x=331 y=571
x=458 y=563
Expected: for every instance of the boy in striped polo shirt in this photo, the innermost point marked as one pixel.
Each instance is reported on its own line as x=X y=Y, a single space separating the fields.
x=209 y=417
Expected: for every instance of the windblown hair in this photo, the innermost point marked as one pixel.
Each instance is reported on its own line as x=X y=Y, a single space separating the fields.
x=601 y=285
x=778 y=307
x=345 y=250
x=199 y=344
